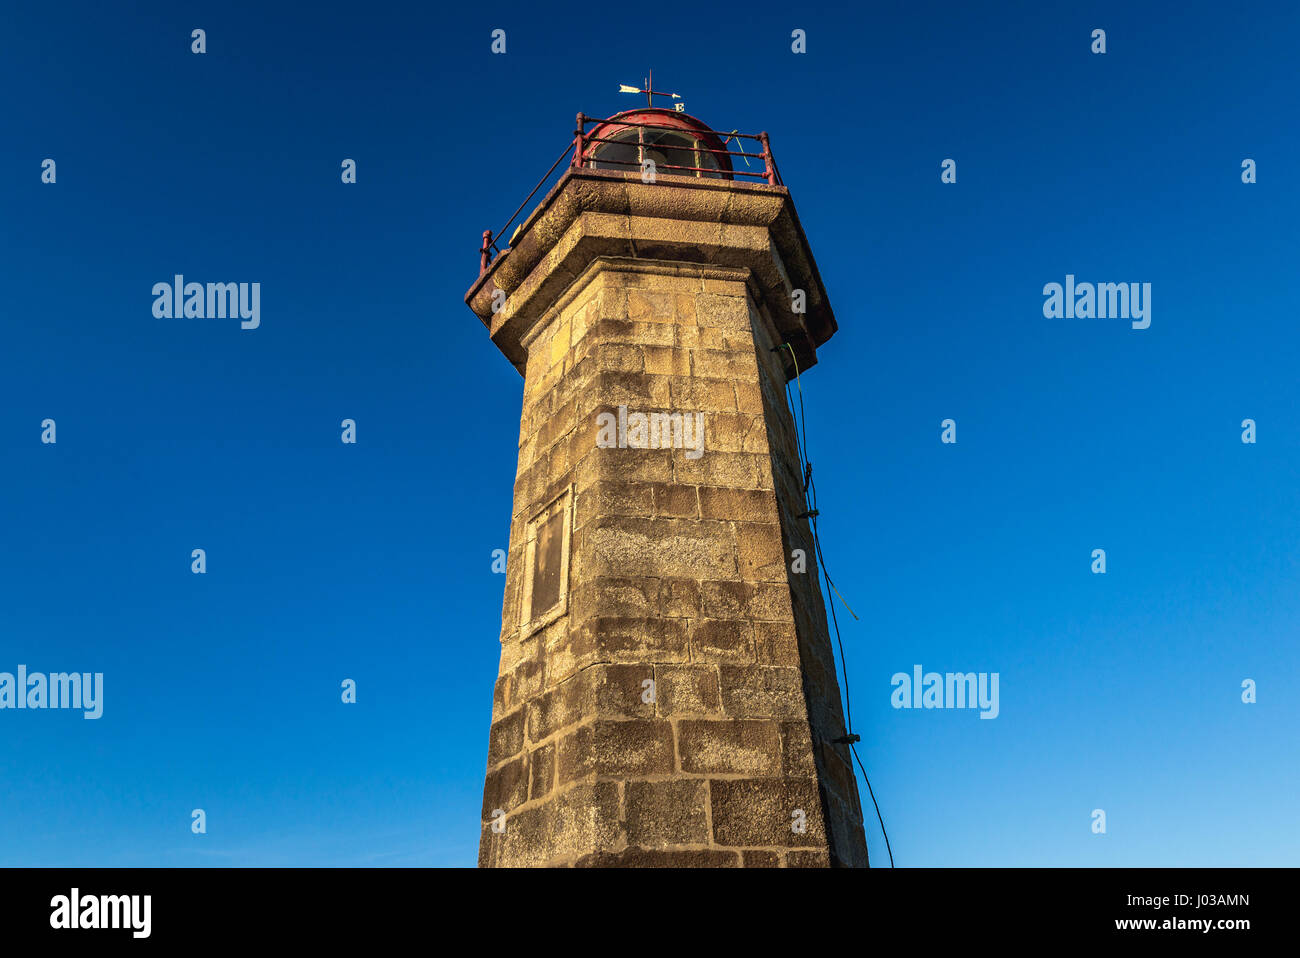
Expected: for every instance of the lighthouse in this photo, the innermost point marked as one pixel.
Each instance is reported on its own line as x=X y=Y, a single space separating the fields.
x=667 y=692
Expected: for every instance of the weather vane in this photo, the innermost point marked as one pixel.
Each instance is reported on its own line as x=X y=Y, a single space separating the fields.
x=651 y=93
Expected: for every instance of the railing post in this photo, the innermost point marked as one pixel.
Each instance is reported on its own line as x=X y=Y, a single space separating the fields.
x=579 y=141
x=769 y=168
x=483 y=252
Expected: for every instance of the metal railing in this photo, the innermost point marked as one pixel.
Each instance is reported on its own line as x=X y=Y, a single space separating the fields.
x=576 y=151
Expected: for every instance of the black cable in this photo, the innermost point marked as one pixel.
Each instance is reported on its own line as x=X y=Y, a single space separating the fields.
x=844 y=663
x=854 y=750
x=810 y=507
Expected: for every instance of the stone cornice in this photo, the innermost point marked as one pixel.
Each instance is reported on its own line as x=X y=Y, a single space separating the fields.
x=590 y=214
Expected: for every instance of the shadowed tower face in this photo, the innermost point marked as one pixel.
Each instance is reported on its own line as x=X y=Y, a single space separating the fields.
x=667 y=691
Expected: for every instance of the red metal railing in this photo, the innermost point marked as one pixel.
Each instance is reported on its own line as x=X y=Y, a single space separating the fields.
x=582 y=142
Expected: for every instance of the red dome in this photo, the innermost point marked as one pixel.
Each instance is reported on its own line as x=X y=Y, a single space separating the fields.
x=678 y=144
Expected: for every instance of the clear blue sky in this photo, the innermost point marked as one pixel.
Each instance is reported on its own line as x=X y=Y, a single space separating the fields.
x=372 y=561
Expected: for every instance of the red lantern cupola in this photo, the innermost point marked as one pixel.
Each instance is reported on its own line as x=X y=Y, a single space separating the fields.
x=676 y=143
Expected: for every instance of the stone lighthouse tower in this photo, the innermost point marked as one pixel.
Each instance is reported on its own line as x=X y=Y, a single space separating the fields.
x=667 y=693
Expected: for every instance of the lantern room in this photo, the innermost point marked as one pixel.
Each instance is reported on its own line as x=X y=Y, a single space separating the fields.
x=676 y=143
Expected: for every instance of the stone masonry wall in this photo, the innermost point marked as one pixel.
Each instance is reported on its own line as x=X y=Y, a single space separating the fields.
x=664 y=717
